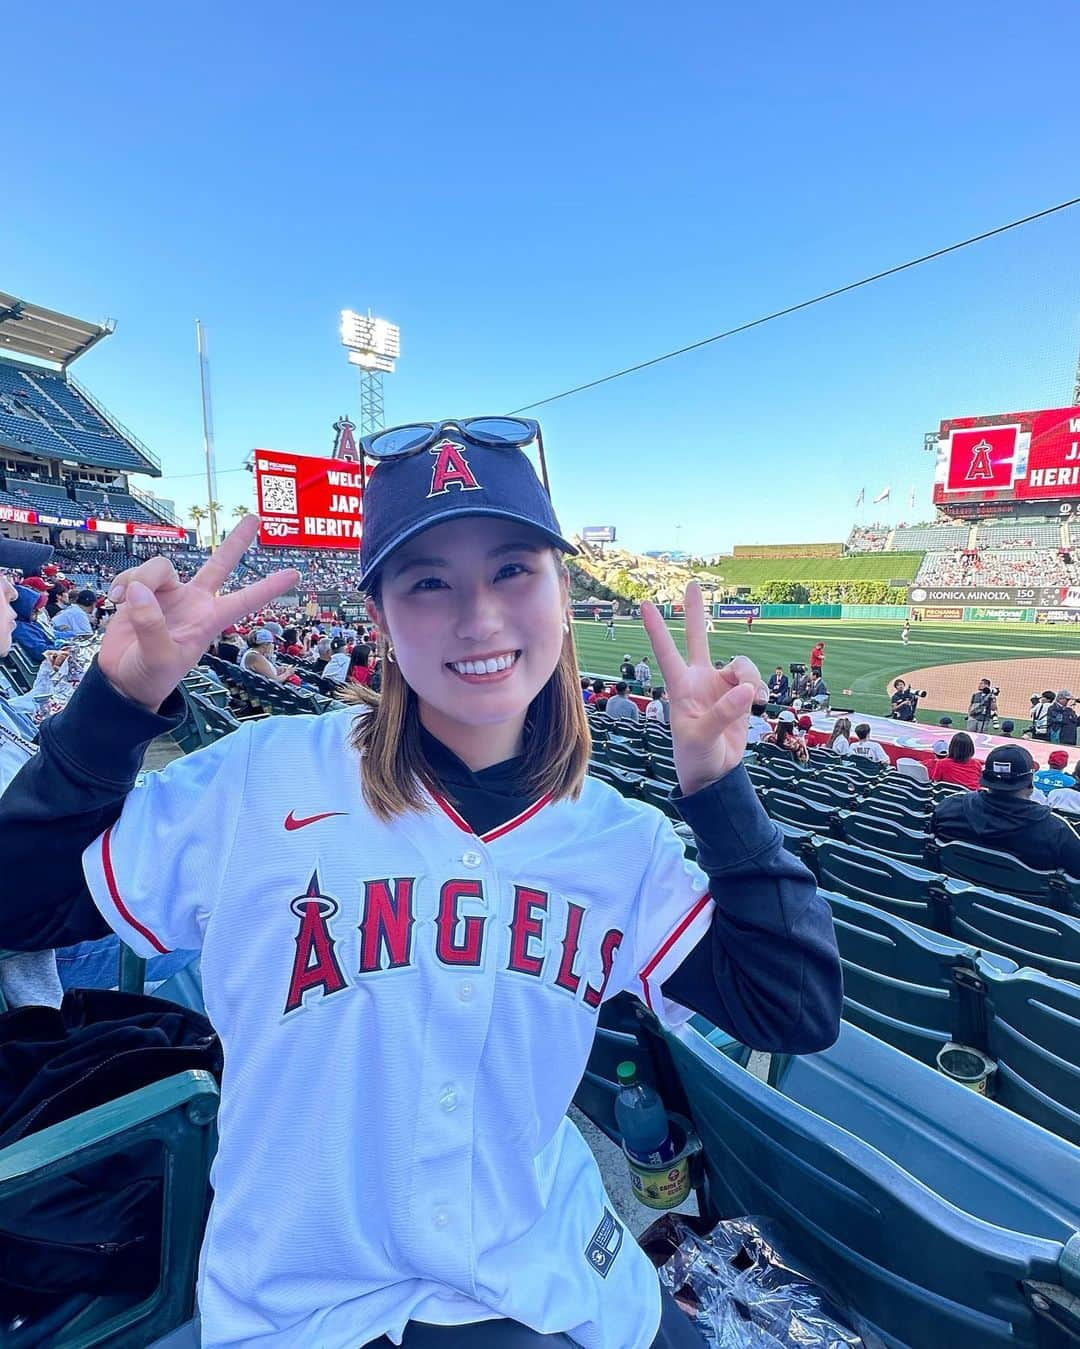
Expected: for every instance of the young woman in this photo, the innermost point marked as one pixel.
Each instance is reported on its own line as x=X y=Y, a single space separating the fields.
x=840 y=737
x=959 y=765
x=786 y=737
x=411 y=914
x=360 y=664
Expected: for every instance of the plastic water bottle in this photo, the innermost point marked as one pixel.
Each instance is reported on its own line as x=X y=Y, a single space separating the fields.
x=642 y=1119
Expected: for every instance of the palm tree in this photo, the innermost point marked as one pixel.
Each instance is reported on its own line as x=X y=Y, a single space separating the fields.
x=240 y=511
x=198 y=515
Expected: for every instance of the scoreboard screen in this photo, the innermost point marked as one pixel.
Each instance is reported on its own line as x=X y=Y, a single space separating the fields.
x=1009 y=457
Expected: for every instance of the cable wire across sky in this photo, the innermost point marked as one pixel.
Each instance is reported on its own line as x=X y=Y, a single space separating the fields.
x=794 y=308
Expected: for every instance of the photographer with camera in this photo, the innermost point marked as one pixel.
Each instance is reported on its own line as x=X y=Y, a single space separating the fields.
x=982 y=707
x=1040 y=708
x=904 y=701
x=1061 y=719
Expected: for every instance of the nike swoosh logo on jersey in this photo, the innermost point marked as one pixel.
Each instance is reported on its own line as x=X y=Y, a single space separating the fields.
x=291 y=822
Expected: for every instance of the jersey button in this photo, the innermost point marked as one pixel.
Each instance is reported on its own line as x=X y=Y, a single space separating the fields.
x=471 y=858
x=466 y=990
x=441 y=1218
x=448 y=1098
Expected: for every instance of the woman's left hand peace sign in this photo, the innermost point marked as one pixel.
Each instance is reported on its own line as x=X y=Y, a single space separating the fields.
x=709 y=706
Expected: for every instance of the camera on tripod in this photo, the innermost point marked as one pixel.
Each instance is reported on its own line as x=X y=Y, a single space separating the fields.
x=796 y=668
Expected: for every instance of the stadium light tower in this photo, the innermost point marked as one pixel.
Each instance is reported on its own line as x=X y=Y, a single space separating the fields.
x=373 y=346
x=208 y=432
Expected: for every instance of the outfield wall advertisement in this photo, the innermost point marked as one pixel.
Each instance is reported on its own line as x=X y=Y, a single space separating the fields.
x=1010 y=456
x=1020 y=597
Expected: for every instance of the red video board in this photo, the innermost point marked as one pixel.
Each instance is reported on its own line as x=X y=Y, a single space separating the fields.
x=308 y=502
x=1014 y=456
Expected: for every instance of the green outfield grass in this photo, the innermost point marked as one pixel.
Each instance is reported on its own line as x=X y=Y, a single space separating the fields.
x=861 y=656
x=755 y=571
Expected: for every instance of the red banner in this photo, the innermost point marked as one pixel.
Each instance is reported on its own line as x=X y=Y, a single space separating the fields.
x=308 y=502
x=16 y=515
x=1015 y=456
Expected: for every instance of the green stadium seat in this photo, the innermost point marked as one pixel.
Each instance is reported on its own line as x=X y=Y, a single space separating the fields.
x=792 y=808
x=1033 y=1034
x=837 y=796
x=177 y=1116
x=659 y=794
x=995 y=870
x=884 y=836
x=628 y=784
x=900 y=979
x=663 y=770
x=872 y=878
x=1028 y=933
x=864 y=767
x=626 y=756
x=912 y=817
x=934 y=1210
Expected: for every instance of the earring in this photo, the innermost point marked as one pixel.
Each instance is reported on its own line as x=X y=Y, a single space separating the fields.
x=390 y=653
x=566 y=625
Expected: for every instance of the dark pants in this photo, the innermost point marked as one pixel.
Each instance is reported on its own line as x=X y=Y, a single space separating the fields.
x=676 y=1332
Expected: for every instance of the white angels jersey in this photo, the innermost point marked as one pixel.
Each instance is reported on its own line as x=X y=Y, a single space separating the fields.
x=406 y=1010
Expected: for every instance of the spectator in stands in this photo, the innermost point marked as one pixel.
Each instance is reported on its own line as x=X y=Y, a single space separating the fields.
x=28 y=634
x=259 y=656
x=658 y=709
x=290 y=642
x=959 y=765
x=840 y=737
x=627 y=669
x=600 y=697
x=1061 y=719
x=865 y=748
x=1067 y=799
x=587 y=694
x=1003 y=815
x=1047 y=779
x=337 y=667
x=643 y=674
x=786 y=737
x=360 y=664
x=323 y=653
x=228 y=647
x=779 y=690
x=620 y=706
x=758 y=727
x=76 y=619
x=59 y=598
x=1007 y=727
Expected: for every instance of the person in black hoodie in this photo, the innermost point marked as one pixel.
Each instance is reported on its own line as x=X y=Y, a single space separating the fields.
x=1003 y=816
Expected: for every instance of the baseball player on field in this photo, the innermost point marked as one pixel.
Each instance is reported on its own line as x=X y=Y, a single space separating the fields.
x=410 y=913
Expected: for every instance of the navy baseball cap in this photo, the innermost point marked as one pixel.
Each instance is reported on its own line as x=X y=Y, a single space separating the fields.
x=28 y=557
x=1009 y=768
x=454 y=478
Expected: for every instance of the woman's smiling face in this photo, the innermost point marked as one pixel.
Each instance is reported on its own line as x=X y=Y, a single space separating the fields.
x=475 y=610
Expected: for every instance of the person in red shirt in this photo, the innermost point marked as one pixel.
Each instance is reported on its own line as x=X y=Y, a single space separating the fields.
x=359 y=664
x=960 y=765
x=817 y=656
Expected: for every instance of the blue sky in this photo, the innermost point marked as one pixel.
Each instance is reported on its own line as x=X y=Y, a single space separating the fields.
x=540 y=195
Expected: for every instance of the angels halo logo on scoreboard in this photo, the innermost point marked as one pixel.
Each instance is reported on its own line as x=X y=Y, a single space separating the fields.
x=308 y=501
x=1029 y=459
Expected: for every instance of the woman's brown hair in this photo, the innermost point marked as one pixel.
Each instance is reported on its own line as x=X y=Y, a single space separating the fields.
x=842 y=727
x=556 y=750
x=961 y=747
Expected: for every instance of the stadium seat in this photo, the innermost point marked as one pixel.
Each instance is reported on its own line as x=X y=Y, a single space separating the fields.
x=860 y=764
x=792 y=808
x=628 y=784
x=872 y=878
x=1033 y=1034
x=175 y=1117
x=814 y=789
x=626 y=756
x=659 y=794
x=933 y=1209
x=913 y=769
x=913 y=816
x=993 y=869
x=1030 y=934
x=900 y=980
x=663 y=770
x=882 y=835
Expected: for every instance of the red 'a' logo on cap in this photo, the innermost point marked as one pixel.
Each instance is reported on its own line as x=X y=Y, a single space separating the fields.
x=451 y=469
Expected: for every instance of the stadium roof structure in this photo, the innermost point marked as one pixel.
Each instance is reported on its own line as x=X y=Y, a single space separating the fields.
x=29 y=330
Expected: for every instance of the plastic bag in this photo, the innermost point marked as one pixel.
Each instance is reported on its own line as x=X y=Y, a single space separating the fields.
x=741 y=1292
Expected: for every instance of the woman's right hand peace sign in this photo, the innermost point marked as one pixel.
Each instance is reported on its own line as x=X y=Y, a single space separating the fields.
x=163 y=625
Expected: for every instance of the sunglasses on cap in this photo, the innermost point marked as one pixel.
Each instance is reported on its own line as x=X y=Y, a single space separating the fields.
x=510 y=433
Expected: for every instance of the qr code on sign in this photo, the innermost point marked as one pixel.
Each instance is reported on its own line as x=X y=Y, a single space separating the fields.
x=278 y=495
